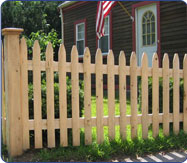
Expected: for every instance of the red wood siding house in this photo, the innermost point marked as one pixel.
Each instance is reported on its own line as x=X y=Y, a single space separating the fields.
x=157 y=27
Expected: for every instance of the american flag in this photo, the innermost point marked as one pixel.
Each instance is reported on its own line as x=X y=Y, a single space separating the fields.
x=103 y=9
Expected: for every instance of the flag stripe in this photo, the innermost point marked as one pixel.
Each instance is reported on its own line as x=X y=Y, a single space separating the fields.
x=103 y=9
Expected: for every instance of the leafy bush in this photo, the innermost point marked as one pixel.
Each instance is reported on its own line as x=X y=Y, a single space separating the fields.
x=56 y=99
x=44 y=39
x=161 y=95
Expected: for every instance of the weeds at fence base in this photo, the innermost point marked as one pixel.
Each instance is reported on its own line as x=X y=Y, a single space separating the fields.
x=108 y=150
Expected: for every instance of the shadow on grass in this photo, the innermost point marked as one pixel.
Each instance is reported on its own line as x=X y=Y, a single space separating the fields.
x=107 y=150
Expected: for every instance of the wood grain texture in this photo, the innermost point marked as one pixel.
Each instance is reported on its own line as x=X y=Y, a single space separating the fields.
x=122 y=94
x=12 y=90
x=24 y=94
x=104 y=69
x=144 y=95
x=176 y=95
x=87 y=97
x=133 y=95
x=166 y=95
x=3 y=98
x=62 y=96
x=155 y=96
x=99 y=96
x=111 y=95
x=185 y=94
x=50 y=96
x=75 y=96
x=37 y=95
x=105 y=121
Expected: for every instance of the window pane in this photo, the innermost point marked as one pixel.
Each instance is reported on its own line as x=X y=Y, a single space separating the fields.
x=153 y=18
x=145 y=15
x=144 y=29
x=103 y=44
x=153 y=27
x=106 y=25
x=81 y=28
x=150 y=14
x=80 y=32
x=80 y=35
x=80 y=47
x=148 y=28
x=144 y=40
x=148 y=39
x=153 y=38
x=144 y=19
x=104 y=41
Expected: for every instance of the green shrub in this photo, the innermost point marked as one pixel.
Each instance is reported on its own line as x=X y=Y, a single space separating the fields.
x=56 y=99
x=44 y=39
x=161 y=95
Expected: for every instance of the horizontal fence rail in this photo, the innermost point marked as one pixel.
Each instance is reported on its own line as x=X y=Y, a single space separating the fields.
x=50 y=123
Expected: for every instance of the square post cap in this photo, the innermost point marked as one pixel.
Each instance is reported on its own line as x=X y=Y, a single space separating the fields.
x=12 y=31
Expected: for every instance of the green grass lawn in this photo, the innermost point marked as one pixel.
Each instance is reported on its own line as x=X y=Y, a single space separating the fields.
x=105 y=106
x=117 y=112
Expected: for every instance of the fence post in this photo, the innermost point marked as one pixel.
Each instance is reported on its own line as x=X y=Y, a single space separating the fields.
x=12 y=90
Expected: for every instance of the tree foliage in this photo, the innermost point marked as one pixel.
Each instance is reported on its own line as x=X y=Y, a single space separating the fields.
x=44 y=39
x=32 y=16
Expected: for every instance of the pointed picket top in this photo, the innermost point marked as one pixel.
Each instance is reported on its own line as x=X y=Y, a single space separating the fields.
x=62 y=96
x=36 y=53
x=165 y=73
x=23 y=41
x=24 y=93
x=87 y=96
x=36 y=50
x=49 y=55
x=176 y=95
x=155 y=60
x=165 y=60
x=74 y=53
x=133 y=59
x=98 y=57
x=133 y=87
x=122 y=58
x=87 y=55
x=23 y=49
x=144 y=60
x=36 y=44
x=110 y=58
x=176 y=61
x=49 y=48
x=62 y=54
x=144 y=89
x=99 y=96
x=75 y=96
x=185 y=60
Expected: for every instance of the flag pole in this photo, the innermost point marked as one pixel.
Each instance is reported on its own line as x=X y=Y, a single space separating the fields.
x=123 y=7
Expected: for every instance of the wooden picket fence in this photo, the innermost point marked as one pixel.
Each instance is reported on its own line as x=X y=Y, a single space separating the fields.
x=17 y=123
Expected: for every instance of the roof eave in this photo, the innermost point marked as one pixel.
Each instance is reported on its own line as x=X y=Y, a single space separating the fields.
x=63 y=5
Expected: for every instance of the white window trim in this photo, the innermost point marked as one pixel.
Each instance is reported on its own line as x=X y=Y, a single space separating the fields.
x=106 y=53
x=80 y=56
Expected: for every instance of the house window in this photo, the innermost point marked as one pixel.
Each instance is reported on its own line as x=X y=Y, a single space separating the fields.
x=80 y=37
x=148 y=28
x=104 y=42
